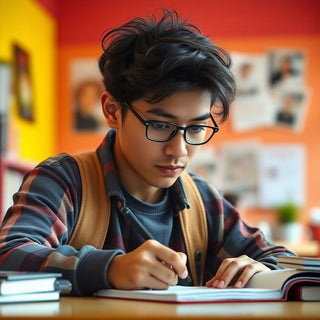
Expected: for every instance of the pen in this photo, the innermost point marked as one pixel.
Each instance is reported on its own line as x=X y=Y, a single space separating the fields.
x=129 y=216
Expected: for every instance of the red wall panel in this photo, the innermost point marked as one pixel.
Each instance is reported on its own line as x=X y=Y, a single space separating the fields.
x=83 y=21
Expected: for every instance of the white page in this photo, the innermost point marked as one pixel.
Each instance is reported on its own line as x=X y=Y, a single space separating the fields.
x=193 y=294
x=282 y=175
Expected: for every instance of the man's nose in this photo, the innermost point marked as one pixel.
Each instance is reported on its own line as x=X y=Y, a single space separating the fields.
x=177 y=146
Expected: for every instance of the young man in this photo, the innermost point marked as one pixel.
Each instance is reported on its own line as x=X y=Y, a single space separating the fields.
x=165 y=83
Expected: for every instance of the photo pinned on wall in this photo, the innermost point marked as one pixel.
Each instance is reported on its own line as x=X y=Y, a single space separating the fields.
x=290 y=109
x=23 y=83
x=287 y=68
x=282 y=175
x=287 y=88
x=271 y=90
x=251 y=108
x=239 y=168
x=87 y=87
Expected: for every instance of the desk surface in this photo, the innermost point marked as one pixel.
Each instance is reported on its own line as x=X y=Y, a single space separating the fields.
x=100 y=308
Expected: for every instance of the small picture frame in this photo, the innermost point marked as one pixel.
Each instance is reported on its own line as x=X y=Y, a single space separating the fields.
x=23 y=83
x=86 y=88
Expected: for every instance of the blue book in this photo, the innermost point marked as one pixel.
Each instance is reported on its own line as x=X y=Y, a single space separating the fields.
x=20 y=282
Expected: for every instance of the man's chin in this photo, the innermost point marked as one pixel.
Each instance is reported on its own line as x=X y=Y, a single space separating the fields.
x=166 y=182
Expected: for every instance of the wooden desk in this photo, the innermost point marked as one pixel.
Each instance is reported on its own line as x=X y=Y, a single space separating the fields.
x=100 y=308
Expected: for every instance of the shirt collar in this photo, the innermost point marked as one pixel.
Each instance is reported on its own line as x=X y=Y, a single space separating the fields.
x=111 y=180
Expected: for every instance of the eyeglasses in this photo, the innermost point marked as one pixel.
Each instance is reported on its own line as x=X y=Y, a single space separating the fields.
x=163 y=131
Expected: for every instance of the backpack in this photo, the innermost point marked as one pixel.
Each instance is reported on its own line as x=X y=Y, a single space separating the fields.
x=91 y=229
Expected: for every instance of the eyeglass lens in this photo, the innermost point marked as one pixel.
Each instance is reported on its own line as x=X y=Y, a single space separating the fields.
x=163 y=131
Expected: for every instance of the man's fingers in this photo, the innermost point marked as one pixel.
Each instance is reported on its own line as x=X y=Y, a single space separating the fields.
x=226 y=272
x=175 y=260
x=183 y=258
x=236 y=270
x=152 y=265
x=248 y=272
x=164 y=273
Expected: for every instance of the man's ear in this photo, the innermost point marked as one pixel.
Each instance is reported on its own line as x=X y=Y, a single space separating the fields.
x=111 y=109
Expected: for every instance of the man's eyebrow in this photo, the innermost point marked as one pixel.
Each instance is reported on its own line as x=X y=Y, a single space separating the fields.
x=162 y=113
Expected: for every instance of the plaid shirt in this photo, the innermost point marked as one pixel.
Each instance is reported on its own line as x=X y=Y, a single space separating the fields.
x=35 y=231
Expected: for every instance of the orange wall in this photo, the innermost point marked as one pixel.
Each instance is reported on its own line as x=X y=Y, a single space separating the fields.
x=243 y=26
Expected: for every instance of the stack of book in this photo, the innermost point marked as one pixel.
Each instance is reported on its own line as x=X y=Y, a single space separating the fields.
x=19 y=286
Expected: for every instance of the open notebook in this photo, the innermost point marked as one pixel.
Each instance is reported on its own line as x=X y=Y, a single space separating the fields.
x=265 y=286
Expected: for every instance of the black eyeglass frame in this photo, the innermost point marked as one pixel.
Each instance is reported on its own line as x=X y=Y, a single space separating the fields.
x=146 y=123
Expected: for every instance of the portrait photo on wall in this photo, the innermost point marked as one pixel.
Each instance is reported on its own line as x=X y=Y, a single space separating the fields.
x=23 y=83
x=290 y=109
x=287 y=68
x=271 y=90
x=87 y=87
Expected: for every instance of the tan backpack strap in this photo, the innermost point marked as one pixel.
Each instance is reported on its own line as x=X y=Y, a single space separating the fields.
x=93 y=220
x=194 y=228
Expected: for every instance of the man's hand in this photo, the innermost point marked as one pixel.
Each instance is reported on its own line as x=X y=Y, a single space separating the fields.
x=236 y=270
x=152 y=265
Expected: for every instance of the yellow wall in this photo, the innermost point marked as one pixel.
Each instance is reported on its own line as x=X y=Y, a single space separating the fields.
x=27 y=24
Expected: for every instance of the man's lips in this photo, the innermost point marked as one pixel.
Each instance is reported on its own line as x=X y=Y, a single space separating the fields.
x=170 y=169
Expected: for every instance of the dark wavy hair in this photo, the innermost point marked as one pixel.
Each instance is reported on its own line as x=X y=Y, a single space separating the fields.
x=156 y=58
